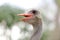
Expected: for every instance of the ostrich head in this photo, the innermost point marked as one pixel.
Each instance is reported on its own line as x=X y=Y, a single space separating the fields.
x=31 y=16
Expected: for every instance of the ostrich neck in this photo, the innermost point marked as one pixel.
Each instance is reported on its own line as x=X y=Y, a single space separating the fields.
x=37 y=26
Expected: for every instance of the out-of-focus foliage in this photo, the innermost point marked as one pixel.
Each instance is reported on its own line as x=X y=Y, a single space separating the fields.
x=24 y=29
x=58 y=2
x=45 y=35
x=9 y=14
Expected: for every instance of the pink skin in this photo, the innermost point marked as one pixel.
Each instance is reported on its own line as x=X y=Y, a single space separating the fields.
x=27 y=16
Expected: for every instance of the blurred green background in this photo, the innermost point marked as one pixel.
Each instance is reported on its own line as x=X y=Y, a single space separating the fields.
x=9 y=18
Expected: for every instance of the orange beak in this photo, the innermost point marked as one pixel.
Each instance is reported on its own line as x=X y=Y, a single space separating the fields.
x=27 y=16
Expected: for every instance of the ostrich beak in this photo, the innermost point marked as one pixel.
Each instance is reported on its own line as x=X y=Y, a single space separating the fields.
x=26 y=15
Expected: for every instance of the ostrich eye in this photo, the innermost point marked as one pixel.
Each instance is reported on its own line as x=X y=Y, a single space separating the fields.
x=34 y=11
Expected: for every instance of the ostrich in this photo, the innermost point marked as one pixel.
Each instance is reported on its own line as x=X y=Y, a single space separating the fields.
x=32 y=17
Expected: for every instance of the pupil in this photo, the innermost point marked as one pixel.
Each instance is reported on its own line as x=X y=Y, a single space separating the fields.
x=34 y=11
